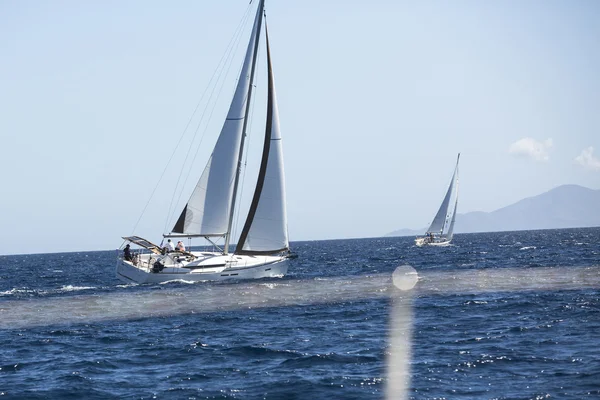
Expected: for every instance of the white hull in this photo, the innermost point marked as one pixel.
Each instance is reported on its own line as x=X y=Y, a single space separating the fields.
x=424 y=241
x=206 y=267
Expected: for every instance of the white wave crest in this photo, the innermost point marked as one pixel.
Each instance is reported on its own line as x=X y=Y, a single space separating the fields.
x=71 y=288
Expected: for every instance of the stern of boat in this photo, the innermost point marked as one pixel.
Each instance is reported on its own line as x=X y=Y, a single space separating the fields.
x=128 y=273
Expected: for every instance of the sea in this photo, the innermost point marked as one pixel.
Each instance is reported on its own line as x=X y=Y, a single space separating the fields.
x=507 y=315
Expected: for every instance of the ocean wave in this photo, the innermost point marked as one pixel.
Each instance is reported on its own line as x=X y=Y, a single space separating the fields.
x=271 y=285
x=17 y=291
x=468 y=302
x=328 y=358
x=253 y=351
x=71 y=288
x=503 y=324
x=175 y=281
x=10 y=367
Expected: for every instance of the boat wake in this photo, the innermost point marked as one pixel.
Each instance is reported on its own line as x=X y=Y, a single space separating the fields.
x=179 y=281
x=71 y=288
x=25 y=292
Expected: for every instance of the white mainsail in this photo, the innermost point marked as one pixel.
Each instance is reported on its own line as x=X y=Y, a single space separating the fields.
x=265 y=230
x=208 y=211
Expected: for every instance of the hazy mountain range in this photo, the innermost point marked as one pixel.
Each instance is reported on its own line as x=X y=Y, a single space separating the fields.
x=566 y=206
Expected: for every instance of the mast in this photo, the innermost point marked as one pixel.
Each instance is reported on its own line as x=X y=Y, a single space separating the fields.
x=246 y=113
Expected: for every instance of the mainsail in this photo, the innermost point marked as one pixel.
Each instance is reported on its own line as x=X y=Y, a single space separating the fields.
x=209 y=210
x=265 y=230
x=437 y=226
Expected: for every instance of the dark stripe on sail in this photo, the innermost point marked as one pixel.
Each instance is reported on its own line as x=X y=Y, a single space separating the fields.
x=179 y=228
x=265 y=155
x=261 y=252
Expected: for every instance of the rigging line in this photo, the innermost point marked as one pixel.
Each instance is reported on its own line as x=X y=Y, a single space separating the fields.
x=214 y=103
x=172 y=211
x=225 y=61
x=178 y=143
x=217 y=73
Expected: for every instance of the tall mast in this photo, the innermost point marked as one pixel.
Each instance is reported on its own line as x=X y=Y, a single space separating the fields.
x=259 y=13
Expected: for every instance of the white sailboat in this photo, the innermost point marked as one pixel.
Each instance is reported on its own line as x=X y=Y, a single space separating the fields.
x=263 y=248
x=436 y=234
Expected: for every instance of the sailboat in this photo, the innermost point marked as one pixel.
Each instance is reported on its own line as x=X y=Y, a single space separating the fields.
x=436 y=234
x=262 y=249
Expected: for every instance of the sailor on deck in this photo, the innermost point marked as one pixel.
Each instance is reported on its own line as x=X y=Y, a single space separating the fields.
x=168 y=246
x=127 y=253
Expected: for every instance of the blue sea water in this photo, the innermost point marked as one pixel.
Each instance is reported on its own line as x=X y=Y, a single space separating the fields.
x=509 y=315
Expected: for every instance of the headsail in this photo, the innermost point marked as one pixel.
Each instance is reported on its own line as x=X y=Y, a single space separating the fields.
x=265 y=229
x=451 y=228
x=209 y=210
x=437 y=226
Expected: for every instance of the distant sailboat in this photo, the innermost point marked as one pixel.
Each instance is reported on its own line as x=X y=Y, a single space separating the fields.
x=435 y=235
x=263 y=248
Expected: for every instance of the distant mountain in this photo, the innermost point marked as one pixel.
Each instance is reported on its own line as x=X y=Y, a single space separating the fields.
x=566 y=206
x=407 y=232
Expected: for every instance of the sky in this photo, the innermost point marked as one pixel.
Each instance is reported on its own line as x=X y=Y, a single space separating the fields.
x=375 y=102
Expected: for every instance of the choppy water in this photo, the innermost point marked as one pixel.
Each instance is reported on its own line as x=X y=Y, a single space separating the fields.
x=512 y=315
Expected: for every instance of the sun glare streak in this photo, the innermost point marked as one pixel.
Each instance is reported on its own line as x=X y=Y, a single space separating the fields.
x=399 y=352
x=400 y=347
x=203 y=298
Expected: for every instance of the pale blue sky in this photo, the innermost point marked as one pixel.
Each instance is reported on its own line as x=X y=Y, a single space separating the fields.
x=375 y=100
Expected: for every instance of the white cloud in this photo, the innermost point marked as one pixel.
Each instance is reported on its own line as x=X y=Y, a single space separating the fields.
x=587 y=160
x=528 y=147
